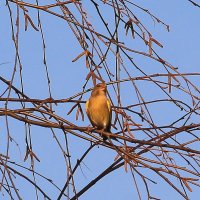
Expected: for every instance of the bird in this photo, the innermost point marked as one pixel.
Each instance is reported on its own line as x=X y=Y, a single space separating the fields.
x=98 y=109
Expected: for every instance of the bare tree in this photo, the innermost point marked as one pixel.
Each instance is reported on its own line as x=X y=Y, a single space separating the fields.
x=114 y=45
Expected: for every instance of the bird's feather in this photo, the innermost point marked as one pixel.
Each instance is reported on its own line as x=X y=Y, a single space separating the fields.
x=98 y=109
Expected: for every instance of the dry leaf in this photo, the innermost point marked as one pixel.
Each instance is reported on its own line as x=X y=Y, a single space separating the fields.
x=186 y=184
x=156 y=42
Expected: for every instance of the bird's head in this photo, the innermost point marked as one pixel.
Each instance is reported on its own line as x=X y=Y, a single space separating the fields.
x=99 y=89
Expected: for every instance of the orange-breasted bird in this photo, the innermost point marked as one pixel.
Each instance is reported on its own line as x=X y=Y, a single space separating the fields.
x=98 y=109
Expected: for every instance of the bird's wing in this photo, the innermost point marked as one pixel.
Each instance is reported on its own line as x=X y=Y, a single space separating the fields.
x=86 y=107
x=110 y=112
x=109 y=105
x=88 y=112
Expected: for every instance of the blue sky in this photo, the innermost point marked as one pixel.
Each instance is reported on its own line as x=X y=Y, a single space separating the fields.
x=181 y=49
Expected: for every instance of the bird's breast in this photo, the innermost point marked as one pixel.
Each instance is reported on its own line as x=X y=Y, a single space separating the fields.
x=99 y=111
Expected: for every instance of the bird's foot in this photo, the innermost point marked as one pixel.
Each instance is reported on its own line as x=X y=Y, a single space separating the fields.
x=103 y=135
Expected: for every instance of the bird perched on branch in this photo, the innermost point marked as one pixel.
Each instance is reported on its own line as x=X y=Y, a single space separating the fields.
x=98 y=109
